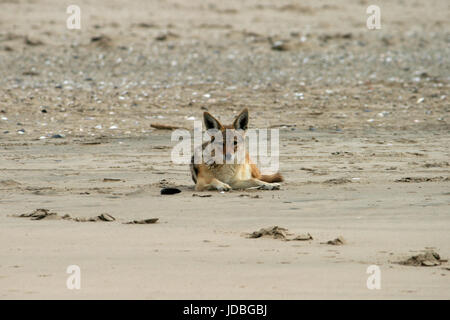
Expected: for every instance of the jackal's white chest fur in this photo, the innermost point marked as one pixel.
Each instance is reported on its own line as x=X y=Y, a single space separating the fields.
x=228 y=173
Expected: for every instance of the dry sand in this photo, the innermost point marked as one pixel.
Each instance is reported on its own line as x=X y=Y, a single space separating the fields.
x=364 y=133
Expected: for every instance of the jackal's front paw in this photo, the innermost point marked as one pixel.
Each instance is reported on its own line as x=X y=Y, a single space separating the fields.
x=223 y=187
x=270 y=186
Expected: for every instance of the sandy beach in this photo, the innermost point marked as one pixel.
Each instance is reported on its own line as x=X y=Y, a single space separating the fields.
x=363 y=117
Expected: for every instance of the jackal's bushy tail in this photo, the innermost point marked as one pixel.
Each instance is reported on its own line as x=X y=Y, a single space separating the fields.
x=276 y=177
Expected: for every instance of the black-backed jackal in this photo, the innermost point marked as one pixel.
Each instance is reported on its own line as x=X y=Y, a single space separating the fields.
x=224 y=176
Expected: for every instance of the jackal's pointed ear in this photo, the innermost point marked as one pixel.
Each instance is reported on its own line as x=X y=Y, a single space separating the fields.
x=241 y=121
x=211 y=122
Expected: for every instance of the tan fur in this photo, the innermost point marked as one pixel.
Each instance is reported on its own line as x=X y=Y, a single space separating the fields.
x=224 y=177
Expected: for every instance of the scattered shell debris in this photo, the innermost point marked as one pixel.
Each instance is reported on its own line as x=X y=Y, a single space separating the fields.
x=144 y=221
x=167 y=191
x=428 y=259
x=276 y=232
x=41 y=214
x=336 y=242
